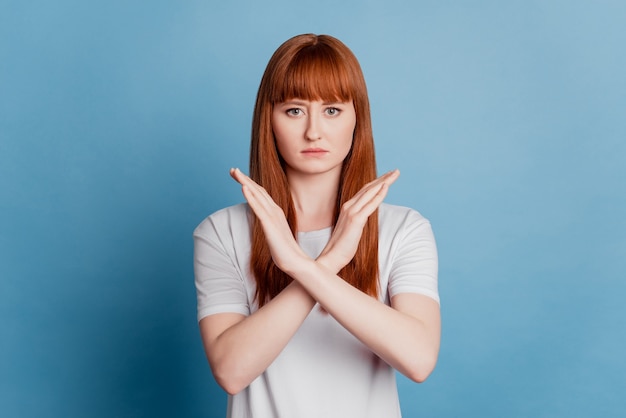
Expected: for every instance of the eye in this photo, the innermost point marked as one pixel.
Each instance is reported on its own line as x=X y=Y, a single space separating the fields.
x=294 y=111
x=332 y=111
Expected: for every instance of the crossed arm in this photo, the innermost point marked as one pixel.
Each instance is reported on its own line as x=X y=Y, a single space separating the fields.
x=406 y=334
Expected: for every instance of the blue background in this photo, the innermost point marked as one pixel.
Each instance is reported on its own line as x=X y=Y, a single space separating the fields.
x=119 y=121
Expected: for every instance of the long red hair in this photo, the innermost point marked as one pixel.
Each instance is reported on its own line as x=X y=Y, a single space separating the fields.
x=312 y=67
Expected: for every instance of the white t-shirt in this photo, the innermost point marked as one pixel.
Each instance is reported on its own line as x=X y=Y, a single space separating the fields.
x=324 y=371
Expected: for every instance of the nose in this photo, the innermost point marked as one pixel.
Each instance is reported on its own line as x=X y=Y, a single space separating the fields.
x=313 y=127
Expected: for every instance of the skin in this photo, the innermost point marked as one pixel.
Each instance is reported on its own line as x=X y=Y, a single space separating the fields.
x=406 y=334
x=327 y=129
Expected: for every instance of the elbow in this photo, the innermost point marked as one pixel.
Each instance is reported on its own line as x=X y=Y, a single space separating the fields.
x=229 y=373
x=229 y=381
x=421 y=369
x=419 y=376
x=232 y=388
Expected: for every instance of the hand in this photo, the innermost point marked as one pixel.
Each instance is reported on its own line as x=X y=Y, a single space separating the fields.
x=354 y=213
x=285 y=250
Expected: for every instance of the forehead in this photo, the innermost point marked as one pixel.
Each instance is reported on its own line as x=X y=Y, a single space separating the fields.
x=314 y=79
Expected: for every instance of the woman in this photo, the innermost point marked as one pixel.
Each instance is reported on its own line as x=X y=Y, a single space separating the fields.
x=312 y=293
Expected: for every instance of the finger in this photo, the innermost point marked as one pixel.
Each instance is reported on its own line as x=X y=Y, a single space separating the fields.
x=365 y=197
x=374 y=191
x=244 y=180
x=389 y=178
x=370 y=206
x=253 y=201
x=240 y=177
x=373 y=197
x=259 y=200
x=392 y=177
x=262 y=204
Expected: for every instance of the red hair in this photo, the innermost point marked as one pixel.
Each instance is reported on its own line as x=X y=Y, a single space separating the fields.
x=312 y=67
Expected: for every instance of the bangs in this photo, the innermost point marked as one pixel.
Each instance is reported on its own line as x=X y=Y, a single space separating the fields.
x=316 y=73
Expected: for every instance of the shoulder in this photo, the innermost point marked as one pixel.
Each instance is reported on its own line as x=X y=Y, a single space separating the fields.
x=407 y=252
x=399 y=226
x=233 y=219
x=396 y=218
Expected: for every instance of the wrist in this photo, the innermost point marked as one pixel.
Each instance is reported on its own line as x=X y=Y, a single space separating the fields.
x=297 y=290
x=328 y=262
x=298 y=266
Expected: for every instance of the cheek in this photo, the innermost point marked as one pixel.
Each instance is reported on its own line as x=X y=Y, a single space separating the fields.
x=279 y=135
x=283 y=144
x=348 y=134
x=282 y=129
x=281 y=140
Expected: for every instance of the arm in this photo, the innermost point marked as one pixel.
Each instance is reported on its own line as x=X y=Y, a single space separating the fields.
x=405 y=335
x=240 y=348
x=239 y=345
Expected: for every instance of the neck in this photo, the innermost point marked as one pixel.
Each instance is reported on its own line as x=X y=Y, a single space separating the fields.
x=314 y=198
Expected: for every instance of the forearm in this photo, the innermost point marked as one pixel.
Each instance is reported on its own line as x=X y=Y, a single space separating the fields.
x=406 y=342
x=244 y=350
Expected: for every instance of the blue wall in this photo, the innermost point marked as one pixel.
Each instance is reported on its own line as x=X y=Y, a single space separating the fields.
x=119 y=121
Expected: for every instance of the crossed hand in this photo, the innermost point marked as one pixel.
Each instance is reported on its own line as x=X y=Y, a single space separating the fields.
x=346 y=234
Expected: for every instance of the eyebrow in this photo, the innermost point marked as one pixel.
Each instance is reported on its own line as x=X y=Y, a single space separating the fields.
x=302 y=103
x=292 y=102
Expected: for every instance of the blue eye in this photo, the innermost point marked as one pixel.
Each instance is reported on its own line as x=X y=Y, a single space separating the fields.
x=332 y=111
x=294 y=112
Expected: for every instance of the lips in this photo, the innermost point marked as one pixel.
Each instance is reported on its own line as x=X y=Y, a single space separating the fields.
x=314 y=151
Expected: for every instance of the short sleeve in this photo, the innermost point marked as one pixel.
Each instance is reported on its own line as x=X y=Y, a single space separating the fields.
x=219 y=283
x=414 y=267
